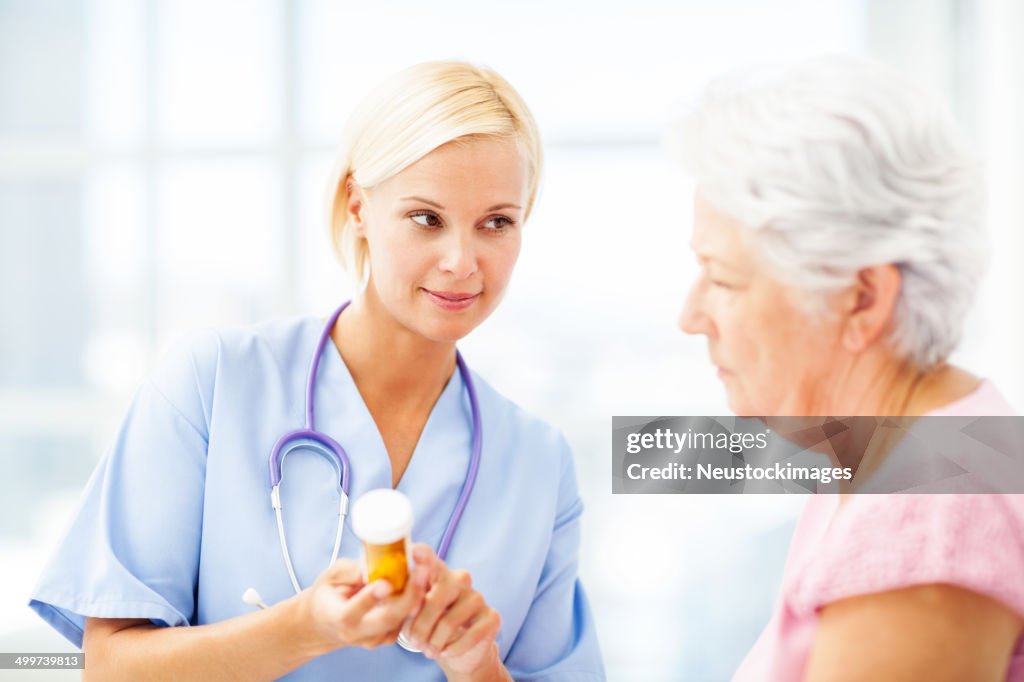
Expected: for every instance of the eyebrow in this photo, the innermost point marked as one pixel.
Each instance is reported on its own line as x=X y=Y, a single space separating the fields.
x=496 y=207
x=705 y=258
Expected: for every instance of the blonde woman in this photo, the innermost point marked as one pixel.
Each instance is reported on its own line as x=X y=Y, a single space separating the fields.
x=436 y=178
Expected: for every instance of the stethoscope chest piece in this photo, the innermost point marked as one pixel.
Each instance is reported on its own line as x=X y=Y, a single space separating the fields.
x=404 y=643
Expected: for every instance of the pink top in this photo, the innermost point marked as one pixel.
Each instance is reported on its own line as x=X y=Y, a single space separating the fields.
x=973 y=541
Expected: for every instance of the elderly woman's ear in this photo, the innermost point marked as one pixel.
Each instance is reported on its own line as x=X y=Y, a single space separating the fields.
x=868 y=306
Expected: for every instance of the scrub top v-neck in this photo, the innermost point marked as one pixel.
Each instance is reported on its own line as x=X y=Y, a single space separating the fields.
x=175 y=522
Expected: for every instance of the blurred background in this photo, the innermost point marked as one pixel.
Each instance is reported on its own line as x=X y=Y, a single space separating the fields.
x=163 y=167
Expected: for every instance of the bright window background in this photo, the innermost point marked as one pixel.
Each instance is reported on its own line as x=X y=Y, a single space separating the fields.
x=163 y=166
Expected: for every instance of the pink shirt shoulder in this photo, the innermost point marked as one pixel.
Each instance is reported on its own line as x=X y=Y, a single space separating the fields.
x=878 y=543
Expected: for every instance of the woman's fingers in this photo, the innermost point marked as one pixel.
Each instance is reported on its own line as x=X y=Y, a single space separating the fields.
x=423 y=555
x=389 y=614
x=385 y=639
x=362 y=601
x=438 y=608
x=350 y=613
x=482 y=632
x=443 y=594
x=459 y=614
x=344 y=572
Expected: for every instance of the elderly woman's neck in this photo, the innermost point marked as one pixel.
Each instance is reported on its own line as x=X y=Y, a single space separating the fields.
x=879 y=383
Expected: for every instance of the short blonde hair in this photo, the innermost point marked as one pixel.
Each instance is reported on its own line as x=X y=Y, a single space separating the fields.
x=410 y=115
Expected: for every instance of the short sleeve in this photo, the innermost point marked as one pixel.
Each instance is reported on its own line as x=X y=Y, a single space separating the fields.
x=557 y=641
x=132 y=548
x=879 y=543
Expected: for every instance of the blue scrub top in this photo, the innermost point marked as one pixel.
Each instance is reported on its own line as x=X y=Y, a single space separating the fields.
x=176 y=521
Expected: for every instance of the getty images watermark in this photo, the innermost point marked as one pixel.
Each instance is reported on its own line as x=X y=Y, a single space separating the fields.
x=818 y=454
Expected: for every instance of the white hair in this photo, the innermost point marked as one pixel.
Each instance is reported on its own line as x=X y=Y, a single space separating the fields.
x=839 y=164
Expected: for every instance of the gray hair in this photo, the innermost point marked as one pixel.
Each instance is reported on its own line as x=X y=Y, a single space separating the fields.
x=839 y=164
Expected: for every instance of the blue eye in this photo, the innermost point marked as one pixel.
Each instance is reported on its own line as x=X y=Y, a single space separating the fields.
x=426 y=219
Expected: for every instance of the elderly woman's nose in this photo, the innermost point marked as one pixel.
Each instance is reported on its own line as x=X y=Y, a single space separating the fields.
x=692 y=318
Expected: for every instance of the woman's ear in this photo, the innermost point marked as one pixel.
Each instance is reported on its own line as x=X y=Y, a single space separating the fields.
x=356 y=208
x=869 y=306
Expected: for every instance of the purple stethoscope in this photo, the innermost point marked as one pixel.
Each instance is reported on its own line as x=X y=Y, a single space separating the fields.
x=309 y=437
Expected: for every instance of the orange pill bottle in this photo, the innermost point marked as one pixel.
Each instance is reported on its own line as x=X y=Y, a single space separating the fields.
x=382 y=519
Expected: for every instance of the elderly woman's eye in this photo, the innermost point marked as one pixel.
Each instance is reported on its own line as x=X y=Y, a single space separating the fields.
x=717 y=283
x=426 y=219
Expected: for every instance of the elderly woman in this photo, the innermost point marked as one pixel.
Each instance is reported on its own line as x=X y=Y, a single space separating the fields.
x=837 y=225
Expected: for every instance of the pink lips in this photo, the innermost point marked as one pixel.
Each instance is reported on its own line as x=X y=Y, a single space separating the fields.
x=451 y=300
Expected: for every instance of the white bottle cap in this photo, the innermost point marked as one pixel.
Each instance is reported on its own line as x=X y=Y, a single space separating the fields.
x=382 y=516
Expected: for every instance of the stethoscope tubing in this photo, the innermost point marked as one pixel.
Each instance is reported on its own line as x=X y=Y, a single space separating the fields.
x=331 y=448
